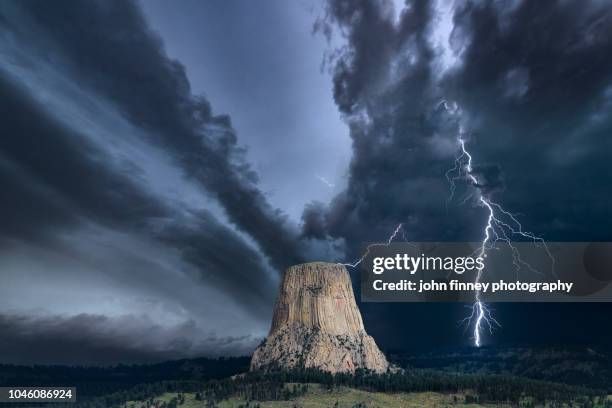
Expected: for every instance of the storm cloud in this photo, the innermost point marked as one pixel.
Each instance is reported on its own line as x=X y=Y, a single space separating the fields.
x=122 y=192
x=100 y=340
x=532 y=80
x=130 y=69
x=133 y=223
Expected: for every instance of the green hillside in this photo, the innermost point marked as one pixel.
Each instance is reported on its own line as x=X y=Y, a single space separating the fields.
x=319 y=396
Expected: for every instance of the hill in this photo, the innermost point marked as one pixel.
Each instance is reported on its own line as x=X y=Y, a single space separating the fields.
x=99 y=381
x=493 y=376
x=570 y=365
x=321 y=397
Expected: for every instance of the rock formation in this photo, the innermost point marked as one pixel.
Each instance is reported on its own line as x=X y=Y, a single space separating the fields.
x=316 y=324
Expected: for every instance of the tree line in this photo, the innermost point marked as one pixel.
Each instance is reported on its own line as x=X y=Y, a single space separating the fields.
x=278 y=385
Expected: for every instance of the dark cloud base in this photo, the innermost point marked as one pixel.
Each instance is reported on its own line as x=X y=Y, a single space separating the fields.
x=86 y=339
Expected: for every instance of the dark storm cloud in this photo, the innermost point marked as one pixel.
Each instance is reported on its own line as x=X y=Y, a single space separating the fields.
x=314 y=221
x=54 y=180
x=51 y=177
x=86 y=339
x=556 y=46
x=55 y=177
x=382 y=83
x=373 y=43
x=537 y=81
x=108 y=164
x=109 y=47
x=490 y=176
x=533 y=82
x=206 y=245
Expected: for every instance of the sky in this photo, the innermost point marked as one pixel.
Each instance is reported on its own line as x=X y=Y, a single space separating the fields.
x=268 y=75
x=163 y=162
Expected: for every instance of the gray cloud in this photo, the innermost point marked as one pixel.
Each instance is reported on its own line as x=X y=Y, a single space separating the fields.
x=128 y=196
x=124 y=193
x=382 y=82
x=60 y=185
x=130 y=68
x=261 y=63
x=525 y=91
x=533 y=82
x=87 y=339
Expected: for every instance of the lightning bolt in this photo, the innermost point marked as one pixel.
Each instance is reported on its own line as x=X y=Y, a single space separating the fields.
x=480 y=314
x=384 y=244
x=501 y=226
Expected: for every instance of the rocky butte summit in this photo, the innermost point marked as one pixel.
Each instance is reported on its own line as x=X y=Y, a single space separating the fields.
x=317 y=324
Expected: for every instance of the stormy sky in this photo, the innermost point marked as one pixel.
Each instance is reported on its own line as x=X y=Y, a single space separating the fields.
x=163 y=162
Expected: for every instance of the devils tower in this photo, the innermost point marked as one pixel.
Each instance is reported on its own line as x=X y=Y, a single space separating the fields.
x=316 y=324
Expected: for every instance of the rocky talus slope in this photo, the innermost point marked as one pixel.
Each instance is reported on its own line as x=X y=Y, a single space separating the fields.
x=317 y=324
